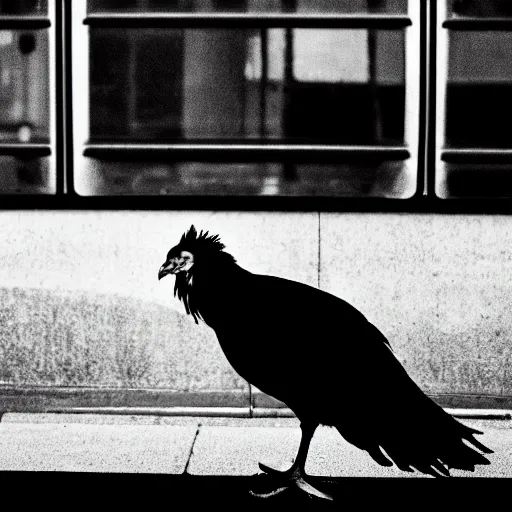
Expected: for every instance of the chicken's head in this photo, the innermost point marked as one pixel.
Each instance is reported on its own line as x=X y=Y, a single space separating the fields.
x=177 y=261
x=193 y=246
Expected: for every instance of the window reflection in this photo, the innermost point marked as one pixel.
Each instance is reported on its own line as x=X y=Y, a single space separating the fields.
x=479 y=90
x=26 y=175
x=24 y=92
x=292 y=85
x=475 y=180
x=364 y=178
x=484 y=8
x=13 y=7
x=300 y=6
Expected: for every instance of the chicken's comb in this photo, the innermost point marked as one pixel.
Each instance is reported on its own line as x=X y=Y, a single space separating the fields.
x=213 y=241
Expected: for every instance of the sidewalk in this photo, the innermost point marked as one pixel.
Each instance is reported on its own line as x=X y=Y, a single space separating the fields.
x=208 y=447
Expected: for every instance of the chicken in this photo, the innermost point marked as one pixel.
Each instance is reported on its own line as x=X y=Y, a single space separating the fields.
x=320 y=356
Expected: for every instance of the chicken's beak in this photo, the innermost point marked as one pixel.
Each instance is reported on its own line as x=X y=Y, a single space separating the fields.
x=176 y=265
x=166 y=268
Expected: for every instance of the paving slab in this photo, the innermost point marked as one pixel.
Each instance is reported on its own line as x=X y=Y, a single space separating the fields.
x=330 y=455
x=223 y=446
x=95 y=448
x=231 y=451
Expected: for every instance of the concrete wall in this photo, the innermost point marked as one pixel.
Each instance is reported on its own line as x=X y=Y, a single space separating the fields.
x=84 y=320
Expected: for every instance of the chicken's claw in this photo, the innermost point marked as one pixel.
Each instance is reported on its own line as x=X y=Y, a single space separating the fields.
x=275 y=472
x=282 y=480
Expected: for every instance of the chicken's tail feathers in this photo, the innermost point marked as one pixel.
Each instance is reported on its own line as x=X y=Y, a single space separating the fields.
x=475 y=442
x=456 y=447
x=433 y=449
x=464 y=457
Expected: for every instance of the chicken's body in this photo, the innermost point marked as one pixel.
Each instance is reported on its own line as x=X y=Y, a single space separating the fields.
x=320 y=356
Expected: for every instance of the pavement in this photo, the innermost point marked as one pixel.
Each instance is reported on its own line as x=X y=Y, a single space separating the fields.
x=143 y=457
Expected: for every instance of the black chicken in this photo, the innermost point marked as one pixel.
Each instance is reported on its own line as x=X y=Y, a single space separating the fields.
x=320 y=356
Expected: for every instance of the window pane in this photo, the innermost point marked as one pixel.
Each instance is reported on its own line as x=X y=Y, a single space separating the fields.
x=24 y=90
x=361 y=179
x=475 y=181
x=11 y=7
x=304 y=6
x=484 y=8
x=479 y=90
x=284 y=85
x=26 y=176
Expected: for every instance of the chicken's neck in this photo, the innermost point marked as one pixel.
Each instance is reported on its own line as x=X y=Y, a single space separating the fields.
x=204 y=290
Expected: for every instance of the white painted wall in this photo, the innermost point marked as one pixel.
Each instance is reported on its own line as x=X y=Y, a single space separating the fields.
x=438 y=286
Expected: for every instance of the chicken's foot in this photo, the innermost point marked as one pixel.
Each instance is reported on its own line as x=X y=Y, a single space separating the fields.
x=279 y=481
x=282 y=480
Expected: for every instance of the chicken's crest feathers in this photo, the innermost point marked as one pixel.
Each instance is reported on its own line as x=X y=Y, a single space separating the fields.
x=201 y=243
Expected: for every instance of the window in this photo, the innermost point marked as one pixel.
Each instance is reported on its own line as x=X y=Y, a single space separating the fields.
x=247 y=98
x=373 y=99
x=474 y=69
x=27 y=123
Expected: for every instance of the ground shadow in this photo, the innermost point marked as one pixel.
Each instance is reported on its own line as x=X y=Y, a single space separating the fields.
x=131 y=491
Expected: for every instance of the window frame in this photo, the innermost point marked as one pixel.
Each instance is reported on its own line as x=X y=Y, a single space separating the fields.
x=230 y=152
x=50 y=24
x=68 y=126
x=444 y=155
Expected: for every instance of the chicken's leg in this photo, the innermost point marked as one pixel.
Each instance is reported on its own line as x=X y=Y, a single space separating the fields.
x=295 y=475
